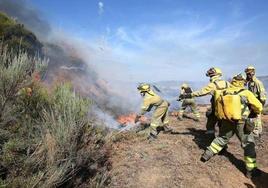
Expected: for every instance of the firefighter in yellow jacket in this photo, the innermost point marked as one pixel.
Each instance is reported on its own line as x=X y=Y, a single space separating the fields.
x=189 y=102
x=216 y=83
x=257 y=88
x=241 y=126
x=159 y=119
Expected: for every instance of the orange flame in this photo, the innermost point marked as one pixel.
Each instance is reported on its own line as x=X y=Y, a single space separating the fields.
x=124 y=120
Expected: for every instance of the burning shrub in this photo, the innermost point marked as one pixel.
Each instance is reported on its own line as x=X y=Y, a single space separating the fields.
x=47 y=138
x=129 y=119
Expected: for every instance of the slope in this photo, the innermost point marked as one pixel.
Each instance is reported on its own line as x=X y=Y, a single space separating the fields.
x=173 y=160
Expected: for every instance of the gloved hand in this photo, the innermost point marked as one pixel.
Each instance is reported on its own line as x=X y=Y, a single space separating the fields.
x=137 y=119
x=179 y=99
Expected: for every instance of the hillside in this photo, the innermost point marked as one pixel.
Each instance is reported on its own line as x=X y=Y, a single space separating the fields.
x=47 y=137
x=51 y=134
x=17 y=37
x=65 y=64
x=264 y=80
x=173 y=160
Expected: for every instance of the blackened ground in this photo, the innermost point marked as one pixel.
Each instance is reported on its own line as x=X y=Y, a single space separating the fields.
x=173 y=160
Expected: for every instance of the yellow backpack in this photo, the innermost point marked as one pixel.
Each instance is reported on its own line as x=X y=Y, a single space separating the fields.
x=228 y=104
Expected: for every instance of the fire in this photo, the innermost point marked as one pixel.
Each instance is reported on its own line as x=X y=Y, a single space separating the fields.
x=124 y=120
x=174 y=113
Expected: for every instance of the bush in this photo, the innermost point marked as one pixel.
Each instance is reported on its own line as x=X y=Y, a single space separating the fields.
x=17 y=37
x=47 y=138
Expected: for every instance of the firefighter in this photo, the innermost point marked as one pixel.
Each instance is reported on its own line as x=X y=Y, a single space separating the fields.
x=159 y=119
x=216 y=83
x=241 y=126
x=257 y=88
x=185 y=89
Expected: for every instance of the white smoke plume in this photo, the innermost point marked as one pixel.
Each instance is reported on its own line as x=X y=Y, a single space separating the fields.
x=94 y=72
x=101 y=7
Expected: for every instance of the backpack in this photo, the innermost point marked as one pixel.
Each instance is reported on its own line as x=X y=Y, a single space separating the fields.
x=188 y=90
x=228 y=104
x=218 y=90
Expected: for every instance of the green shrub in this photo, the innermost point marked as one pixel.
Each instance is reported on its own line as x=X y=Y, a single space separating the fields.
x=47 y=138
x=17 y=37
x=15 y=75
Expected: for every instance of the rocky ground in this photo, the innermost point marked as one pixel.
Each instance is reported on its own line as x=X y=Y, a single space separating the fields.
x=173 y=160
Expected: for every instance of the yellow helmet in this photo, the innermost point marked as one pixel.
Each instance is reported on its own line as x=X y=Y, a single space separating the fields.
x=144 y=87
x=184 y=85
x=213 y=71
x=239 y=77
x=250 y=69
x=239 y=80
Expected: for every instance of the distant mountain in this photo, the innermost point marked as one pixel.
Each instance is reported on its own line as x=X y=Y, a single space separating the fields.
x=264 y=80
x=170 y=90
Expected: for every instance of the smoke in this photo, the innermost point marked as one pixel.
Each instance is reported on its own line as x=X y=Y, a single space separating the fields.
x=24 y=13
x=94 y=72
x=101 y=7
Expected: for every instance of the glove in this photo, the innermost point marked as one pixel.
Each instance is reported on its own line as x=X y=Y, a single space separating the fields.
x=137 y=118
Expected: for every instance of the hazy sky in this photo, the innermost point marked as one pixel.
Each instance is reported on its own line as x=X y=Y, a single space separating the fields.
x=156 y=40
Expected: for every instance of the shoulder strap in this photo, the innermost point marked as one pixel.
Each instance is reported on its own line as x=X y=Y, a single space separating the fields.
x=226 y=85
x=150 y=93
x=225 y=92
x=239 y=91
x=216 y=84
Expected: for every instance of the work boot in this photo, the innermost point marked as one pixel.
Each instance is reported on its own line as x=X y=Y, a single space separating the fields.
x=224 y=150
x=210 y=134
x=166 y=129
x=253 y=173
x=151 y=137
x=206 y=155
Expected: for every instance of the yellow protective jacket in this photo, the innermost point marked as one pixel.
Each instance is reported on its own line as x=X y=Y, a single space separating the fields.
x=216 y=83
x=150 y=100
x=257 y=88
x=236 y=108
x=250 y=100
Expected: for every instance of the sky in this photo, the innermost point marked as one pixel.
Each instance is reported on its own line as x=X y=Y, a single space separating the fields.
x=155 y=40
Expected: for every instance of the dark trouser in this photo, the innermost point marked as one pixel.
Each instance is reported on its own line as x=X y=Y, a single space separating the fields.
x=227 y=130
x=212 y=120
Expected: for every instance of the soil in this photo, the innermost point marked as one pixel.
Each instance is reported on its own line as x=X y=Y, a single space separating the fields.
x=173 y=160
